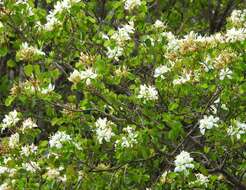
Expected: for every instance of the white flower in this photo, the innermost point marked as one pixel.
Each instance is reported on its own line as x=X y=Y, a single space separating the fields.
x=190 y=36
x=58 y=139
x=3 y=170
x=52 y=21
x=234 y=34
x=10 y=120
x=31 y=88
x=6 y=160
x=148 y=92
x=47 y=90
x=6 y=170
x=27 y=52
x=131 y=4
x=121 y=71
x=104 y=130
x=183 y=161
x=237 y=130
x=208 y=122
x=159 y=71
x=225 y=73
x=25 y=47
x=59 y=7
x=207 y=64
x=173 y=42
x=123 y=34
x=1 y=24
x=5 y=186
x=28 y=124
x=163 y=177
x=182 y=79
x=31 y=166
x=105 y=36
x=238 y=16
x=64 y=5
x=54 y=173
x=75 y=77
x=14 y=140
x=114 y=53
x=87 y=75
x=159 y=24
x=129 y=140
x=28 y=149
x=21 y=2
x=202 y=179
x=62 y=178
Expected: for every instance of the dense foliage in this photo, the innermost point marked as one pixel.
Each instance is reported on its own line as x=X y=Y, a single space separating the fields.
x=128 y=94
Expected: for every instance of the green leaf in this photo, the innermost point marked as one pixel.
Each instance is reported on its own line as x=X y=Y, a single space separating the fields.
x=36 y=69
x=28 y=70
x=11 y=63
x=176 y=130
x=3 y=51
x=9 y=100
x=173 y=106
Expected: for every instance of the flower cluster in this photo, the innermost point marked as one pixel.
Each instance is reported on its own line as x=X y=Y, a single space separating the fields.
x=14 y=140
x=31 y=166
x=7 y=170
x=86 y=75
x=193 y=41
x=129 y=140
x=51 y=23
x=27 y=150
x=5 y=186
x=131 y=4
x=34 y=87
x=123 y=33
x=59 y=7
x=237 y=129
x=58 y=139
x=159 y=24
x=164 y=177
x=104 y=130
x=223 y=59
x=55 y=173
x=114 y=53
x=183 y=161
x=208 y=122
x=148 y=92
x=27 y=53
x=121 y=36
x=28 y=124
x=133 y=96
x=201 y=180
x=160 y=71
x=238 y=17
x=10 y=120
x=182 y=79
x=48 y=89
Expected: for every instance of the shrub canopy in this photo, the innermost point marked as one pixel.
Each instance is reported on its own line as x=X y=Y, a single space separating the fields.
x=129 y=94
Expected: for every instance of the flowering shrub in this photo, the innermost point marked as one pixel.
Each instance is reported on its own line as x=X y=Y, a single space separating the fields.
x=113 y=95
